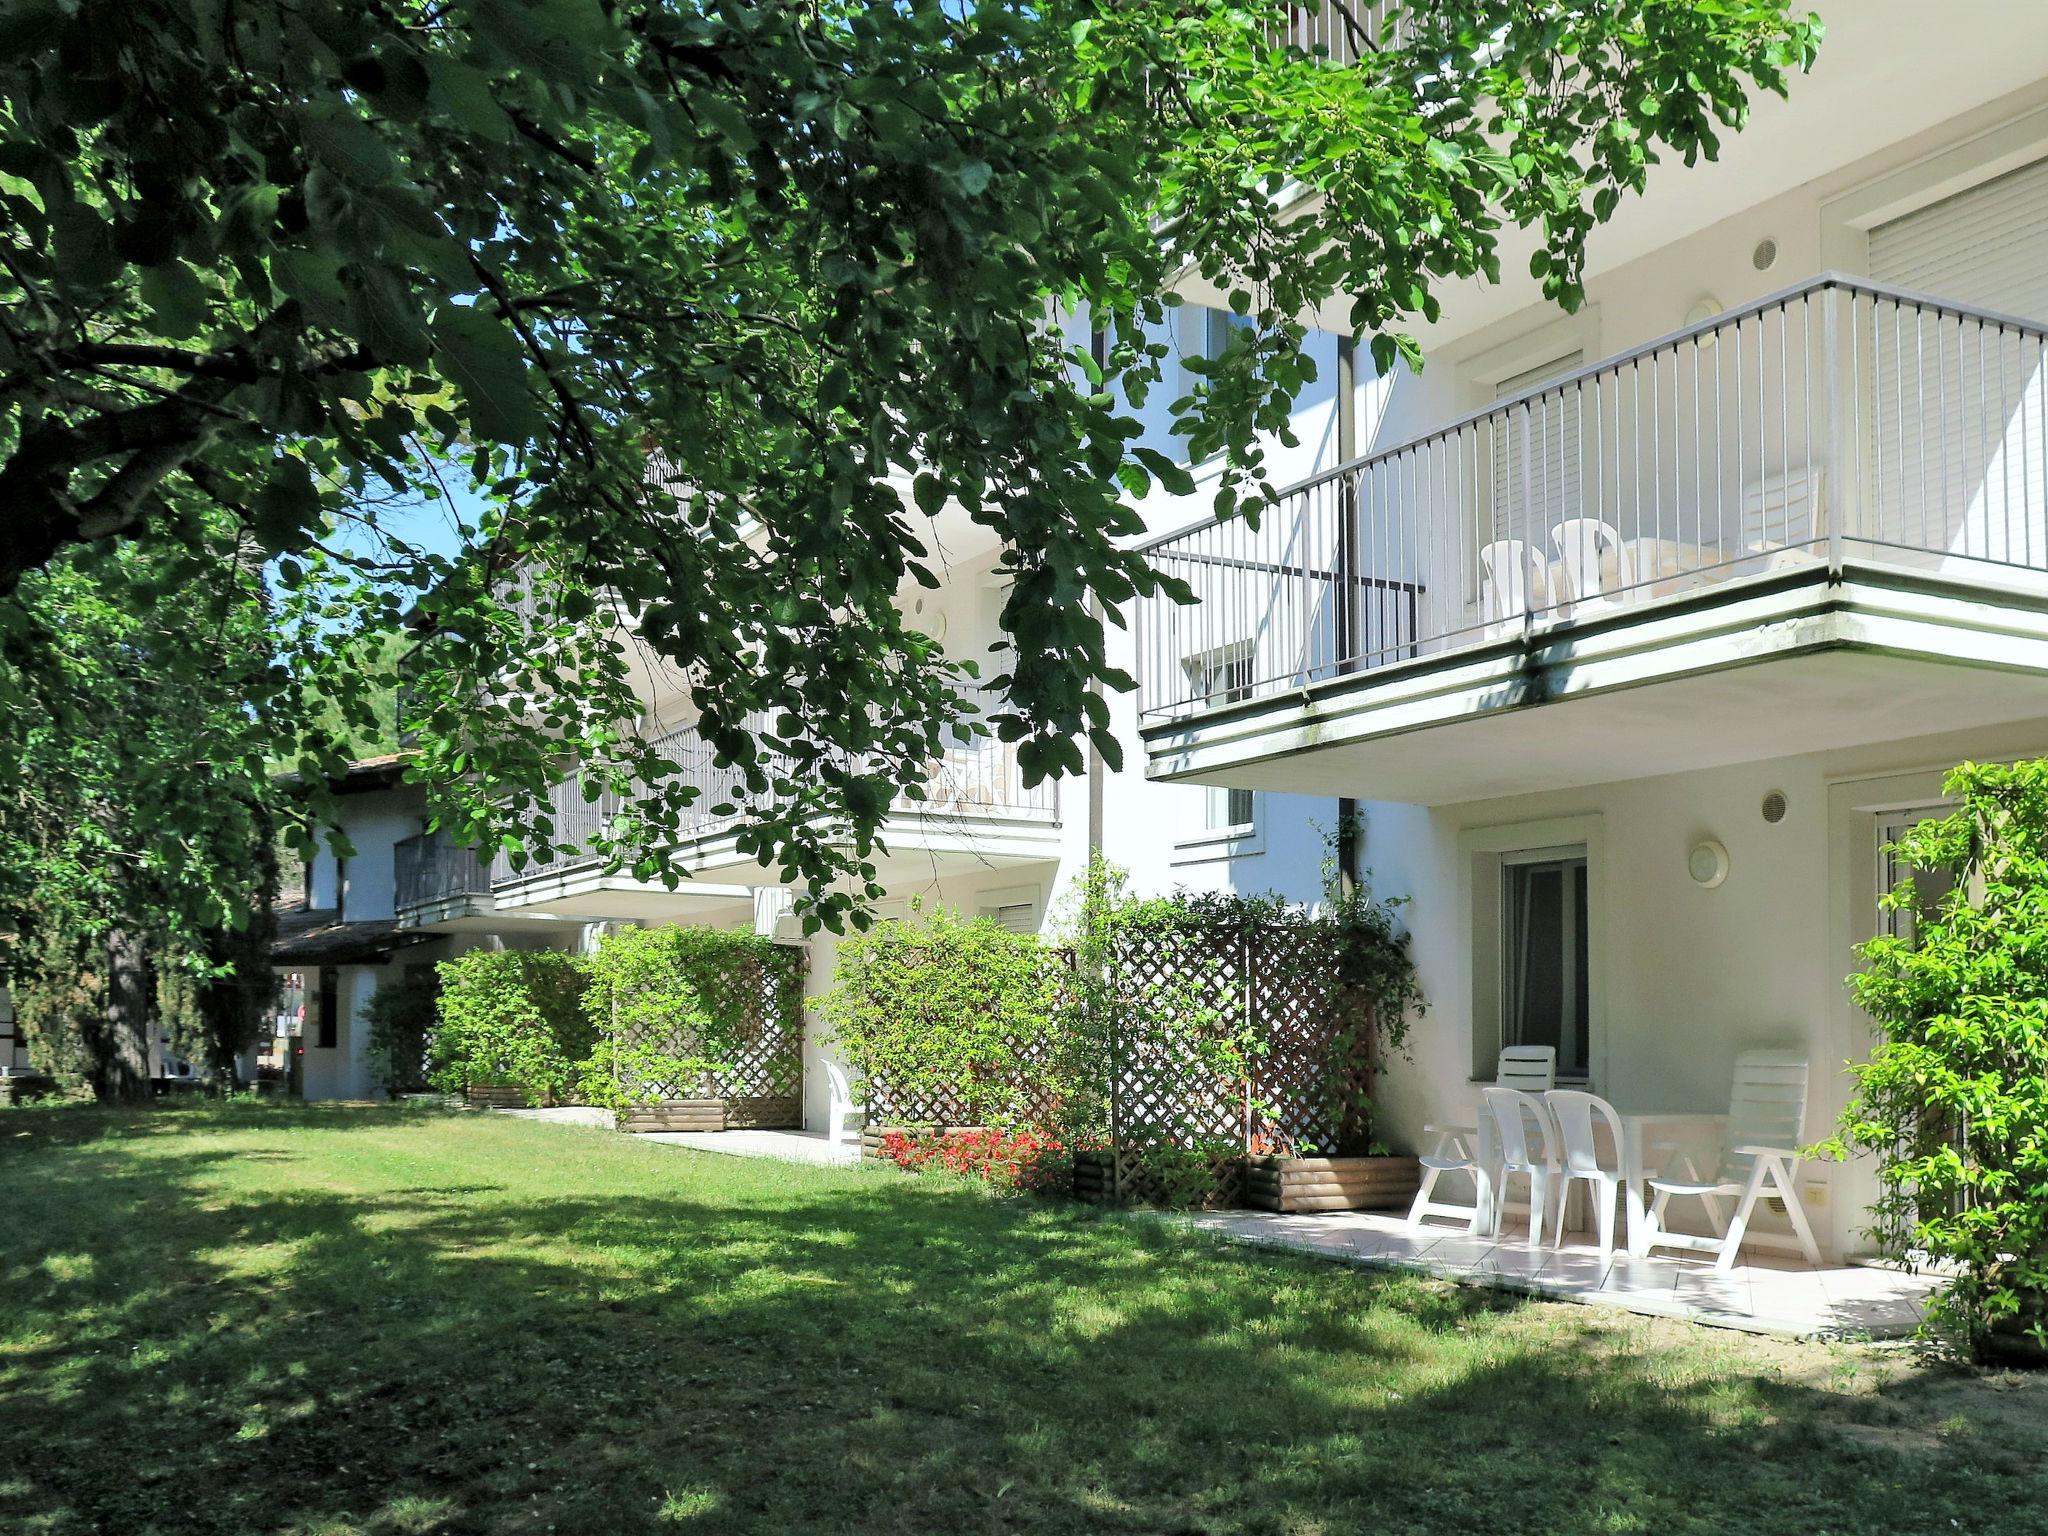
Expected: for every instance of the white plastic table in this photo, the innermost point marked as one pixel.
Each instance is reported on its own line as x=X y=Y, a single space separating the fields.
x=1635 y=1170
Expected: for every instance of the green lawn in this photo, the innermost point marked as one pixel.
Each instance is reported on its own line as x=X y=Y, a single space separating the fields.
x=380 y=1320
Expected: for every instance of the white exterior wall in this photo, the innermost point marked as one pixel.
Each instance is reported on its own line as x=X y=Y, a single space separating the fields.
x=365 y=885
x=1683 y=978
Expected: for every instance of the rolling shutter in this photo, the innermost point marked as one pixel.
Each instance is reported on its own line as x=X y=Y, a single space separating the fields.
x=1536 y=472
x=1984 y=246
x=1958 y=416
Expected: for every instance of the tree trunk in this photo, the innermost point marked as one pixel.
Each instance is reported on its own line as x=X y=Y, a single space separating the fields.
x=121 y=1068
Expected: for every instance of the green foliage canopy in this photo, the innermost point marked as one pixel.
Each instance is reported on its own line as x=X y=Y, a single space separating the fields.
x=134 y=805
x=689 y=291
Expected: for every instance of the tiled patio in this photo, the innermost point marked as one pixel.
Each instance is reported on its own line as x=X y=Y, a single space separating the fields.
x=1764 y=1294
x=781 y=1146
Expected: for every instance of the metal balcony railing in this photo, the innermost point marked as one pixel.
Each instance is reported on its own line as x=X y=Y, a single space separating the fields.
x=1343 y=31
x=431 y=868
x=1838 y=418
x=975 y=780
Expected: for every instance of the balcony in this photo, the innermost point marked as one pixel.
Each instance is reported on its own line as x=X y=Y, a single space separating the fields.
x=439 y=885
x=1845 y=480
x=975 y=804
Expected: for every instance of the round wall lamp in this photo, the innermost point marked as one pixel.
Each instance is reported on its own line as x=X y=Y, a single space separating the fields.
x=1707 y=863
x=1704 y=308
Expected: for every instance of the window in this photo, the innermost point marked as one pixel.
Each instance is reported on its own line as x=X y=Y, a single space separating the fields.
x=1017 y=916
x=328 y=1020
x=1929 y=885
x=1545 y=961
x=1224 y=677
x=1206 y=333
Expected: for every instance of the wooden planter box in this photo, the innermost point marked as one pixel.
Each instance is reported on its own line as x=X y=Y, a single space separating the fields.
x=494 y=1096
x=713 y=1115
x=1218 y=1187
x=675 y=1115
x=1295 y=1184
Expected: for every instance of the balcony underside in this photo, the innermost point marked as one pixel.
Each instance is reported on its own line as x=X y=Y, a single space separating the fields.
x=723 y=880
x=588 y=894
x=1794 y=664
x=472 y=913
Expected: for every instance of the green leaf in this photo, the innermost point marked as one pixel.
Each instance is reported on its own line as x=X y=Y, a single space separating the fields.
x=348 y=146
x=176 y=299
x=467 y=96
x=488 y=364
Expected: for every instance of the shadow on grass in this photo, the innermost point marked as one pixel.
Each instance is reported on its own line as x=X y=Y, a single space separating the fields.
x=397 y=1321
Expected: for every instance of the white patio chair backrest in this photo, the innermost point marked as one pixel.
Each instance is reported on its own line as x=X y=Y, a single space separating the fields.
x=1530 y=1068
x=835 y=1082
x=1790 y=508
x=1766 y=1108
x=1580 y=542
x=1515 y=1116
x=1576 y=1114
x=1509 y=573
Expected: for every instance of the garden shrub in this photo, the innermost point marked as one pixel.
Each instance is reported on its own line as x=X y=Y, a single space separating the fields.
x=964 y=1017
x=511 y=1016
x=675 y=1009
x=1953 y=1100
x=401 y=1015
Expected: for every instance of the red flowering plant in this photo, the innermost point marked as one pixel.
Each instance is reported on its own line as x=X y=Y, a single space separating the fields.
x=1026 y=1160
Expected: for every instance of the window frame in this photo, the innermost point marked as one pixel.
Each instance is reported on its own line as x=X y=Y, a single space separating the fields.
x=1560 y=859
x=1233 y=839
x=1483 y=854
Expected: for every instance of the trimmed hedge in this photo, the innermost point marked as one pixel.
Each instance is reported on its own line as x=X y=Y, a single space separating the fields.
x=960 y=1022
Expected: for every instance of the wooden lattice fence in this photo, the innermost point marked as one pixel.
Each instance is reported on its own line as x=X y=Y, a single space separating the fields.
x=1199 y=1042
x=756 y=1001
x=1226 y=1040
x=1026 y=1074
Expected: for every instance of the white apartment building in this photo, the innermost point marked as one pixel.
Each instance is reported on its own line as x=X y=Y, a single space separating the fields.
x=1639 y=631
x=1634 y=633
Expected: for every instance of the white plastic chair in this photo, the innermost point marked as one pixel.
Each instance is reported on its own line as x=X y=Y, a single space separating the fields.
x=1531 y=1068
x=1528 y=1068
x=839 y=1109
x=1510 y=575
x=1575 y=1114
x=1581 y=541
x=1760 y=1151
x=1515 y=1115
